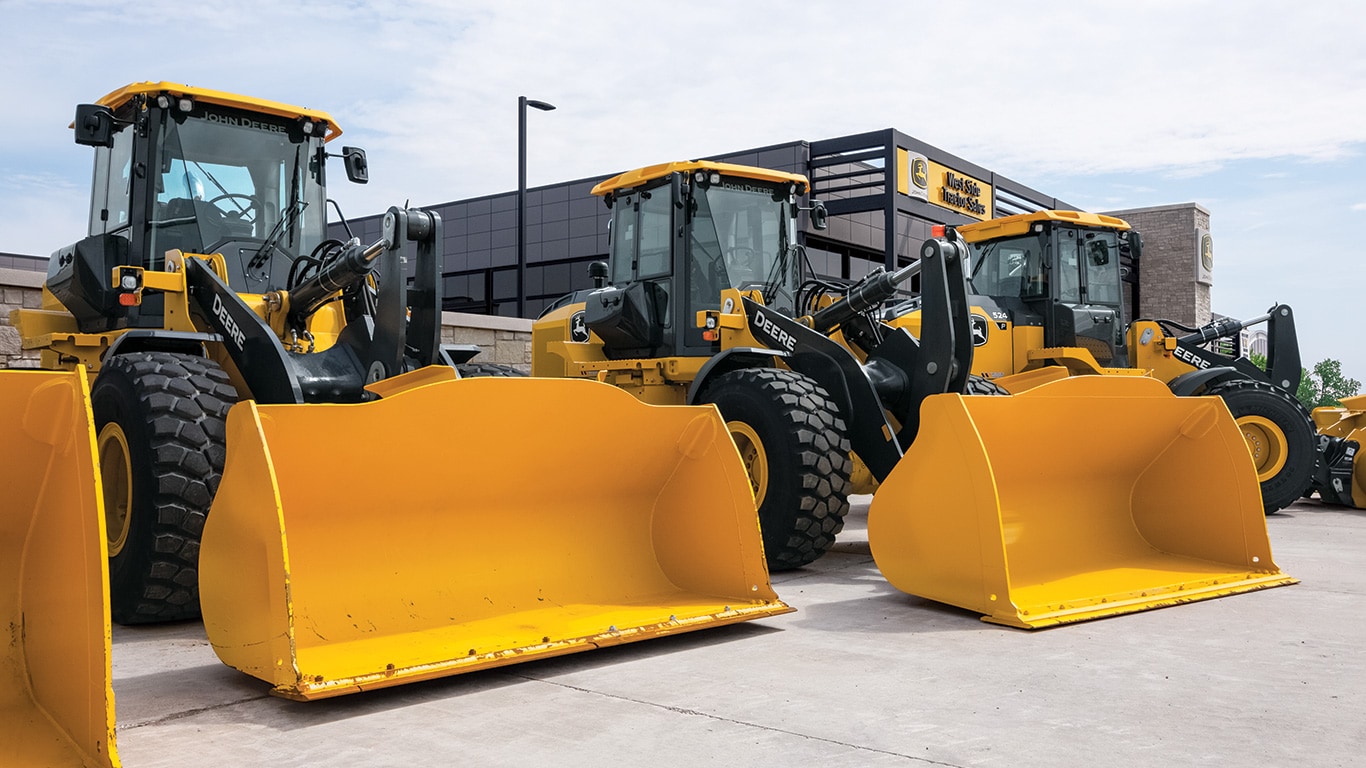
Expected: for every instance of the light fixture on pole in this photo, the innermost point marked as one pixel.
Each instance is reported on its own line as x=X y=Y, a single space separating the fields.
x=522 y=103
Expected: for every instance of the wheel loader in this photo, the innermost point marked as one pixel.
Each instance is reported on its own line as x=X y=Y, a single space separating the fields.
x=1047 y=300
x=280 y=440
x=983 y=500
x=1340 y=478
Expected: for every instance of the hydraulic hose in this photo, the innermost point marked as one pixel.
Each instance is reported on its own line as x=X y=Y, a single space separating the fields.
x=871 y=292
x=349 y=268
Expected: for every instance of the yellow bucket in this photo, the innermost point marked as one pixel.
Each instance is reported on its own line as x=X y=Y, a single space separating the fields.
x=56 y=697
x=455 y=525
x=1085 y=497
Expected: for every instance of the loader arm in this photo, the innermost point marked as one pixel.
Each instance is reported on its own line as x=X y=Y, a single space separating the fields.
x=899 y=371
x=374 y=344
x=1283 y=348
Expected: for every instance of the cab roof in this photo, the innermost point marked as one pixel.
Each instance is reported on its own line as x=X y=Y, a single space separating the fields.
x=1009 y=226
x=118 y=98
x=633 y=179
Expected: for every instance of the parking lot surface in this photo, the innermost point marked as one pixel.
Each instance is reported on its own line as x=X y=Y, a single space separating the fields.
x=860 y=675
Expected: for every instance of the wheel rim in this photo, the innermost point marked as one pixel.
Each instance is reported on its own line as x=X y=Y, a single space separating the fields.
x=116 y=477
x=1267 y=444
x=752 y=454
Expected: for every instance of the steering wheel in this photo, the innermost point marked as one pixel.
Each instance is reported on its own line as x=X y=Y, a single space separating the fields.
x=742 y=264
x=247 y=214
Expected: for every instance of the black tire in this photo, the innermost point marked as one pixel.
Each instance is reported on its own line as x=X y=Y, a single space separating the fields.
x=980 y=385
x=794 y=444
x=477 y=370
x=1280 y=434
x=160 y=418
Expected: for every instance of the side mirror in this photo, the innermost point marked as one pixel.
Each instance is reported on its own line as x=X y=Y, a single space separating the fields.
x=357 y=170
x=1135 y=244
x=819 y=217
x=94 y=125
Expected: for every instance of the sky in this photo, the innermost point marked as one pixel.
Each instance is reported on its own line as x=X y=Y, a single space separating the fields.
x=1254 y=110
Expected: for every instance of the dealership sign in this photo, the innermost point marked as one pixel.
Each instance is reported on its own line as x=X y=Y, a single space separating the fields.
x=923 y=179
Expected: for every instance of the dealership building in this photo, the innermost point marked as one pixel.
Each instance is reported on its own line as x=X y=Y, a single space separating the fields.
x=883 y=191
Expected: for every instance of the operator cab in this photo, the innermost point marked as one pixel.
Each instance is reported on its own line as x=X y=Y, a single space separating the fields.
x=683 y=232
x=1063 y=276
x=202 y=172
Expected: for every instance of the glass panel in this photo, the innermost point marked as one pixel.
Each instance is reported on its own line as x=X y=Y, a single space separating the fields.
x=1012 y=267
x=504 y=284
x=623 y=253
x=112 y=187
x=222 y=178
x=99 y=190
x=655 y=229
x=1101 y=262
x=1068 y=268
x=742 y=237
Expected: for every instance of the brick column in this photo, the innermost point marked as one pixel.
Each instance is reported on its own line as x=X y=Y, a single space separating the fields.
x=1167 y=284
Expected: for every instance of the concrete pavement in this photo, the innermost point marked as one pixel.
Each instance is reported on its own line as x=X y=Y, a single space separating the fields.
x=861 y=675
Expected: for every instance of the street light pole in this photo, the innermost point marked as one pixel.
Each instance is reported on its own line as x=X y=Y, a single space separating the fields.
x=522 y=103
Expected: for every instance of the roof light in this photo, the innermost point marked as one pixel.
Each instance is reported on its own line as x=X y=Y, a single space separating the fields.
x=308 y=127
x=163 y=102
x=185 y=104
x=715 y=178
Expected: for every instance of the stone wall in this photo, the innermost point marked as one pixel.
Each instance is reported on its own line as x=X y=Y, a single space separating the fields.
x=18 y=288
x=1167 y=284
x=502 y=339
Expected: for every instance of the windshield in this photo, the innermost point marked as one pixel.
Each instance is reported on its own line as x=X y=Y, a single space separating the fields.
x=252 y=183
x=1086 y=271
x=1009 y=268
x=742 y=237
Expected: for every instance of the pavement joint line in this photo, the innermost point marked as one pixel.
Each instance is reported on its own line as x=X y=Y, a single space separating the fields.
x=718 y=718
x=187 y=713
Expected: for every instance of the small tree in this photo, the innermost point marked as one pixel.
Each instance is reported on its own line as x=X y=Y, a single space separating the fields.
x=1331 y=384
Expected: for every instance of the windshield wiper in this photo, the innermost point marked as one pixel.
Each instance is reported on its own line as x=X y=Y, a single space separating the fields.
x=272 y=240
x=229 y=196
x=287 y=217
x=775 y=275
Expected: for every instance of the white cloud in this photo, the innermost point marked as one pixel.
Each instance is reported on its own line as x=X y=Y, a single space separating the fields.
x=430 y=87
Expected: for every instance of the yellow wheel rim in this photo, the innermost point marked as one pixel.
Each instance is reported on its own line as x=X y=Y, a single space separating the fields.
x=116 y=475
x=752 y=453
x=1267 y=444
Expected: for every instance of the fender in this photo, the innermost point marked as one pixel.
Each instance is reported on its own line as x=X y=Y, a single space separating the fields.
x=1190 y=383
x=730 y=360
x=144 y=339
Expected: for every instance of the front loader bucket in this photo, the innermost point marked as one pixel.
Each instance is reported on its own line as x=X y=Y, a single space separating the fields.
x=455 y=525
x=1085 y=497
x=56 y=698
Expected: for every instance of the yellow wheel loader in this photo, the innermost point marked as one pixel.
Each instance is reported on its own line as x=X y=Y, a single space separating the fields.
x=1047 y=301
x=285 y=445
x=1340 y=478
x=983 y=500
